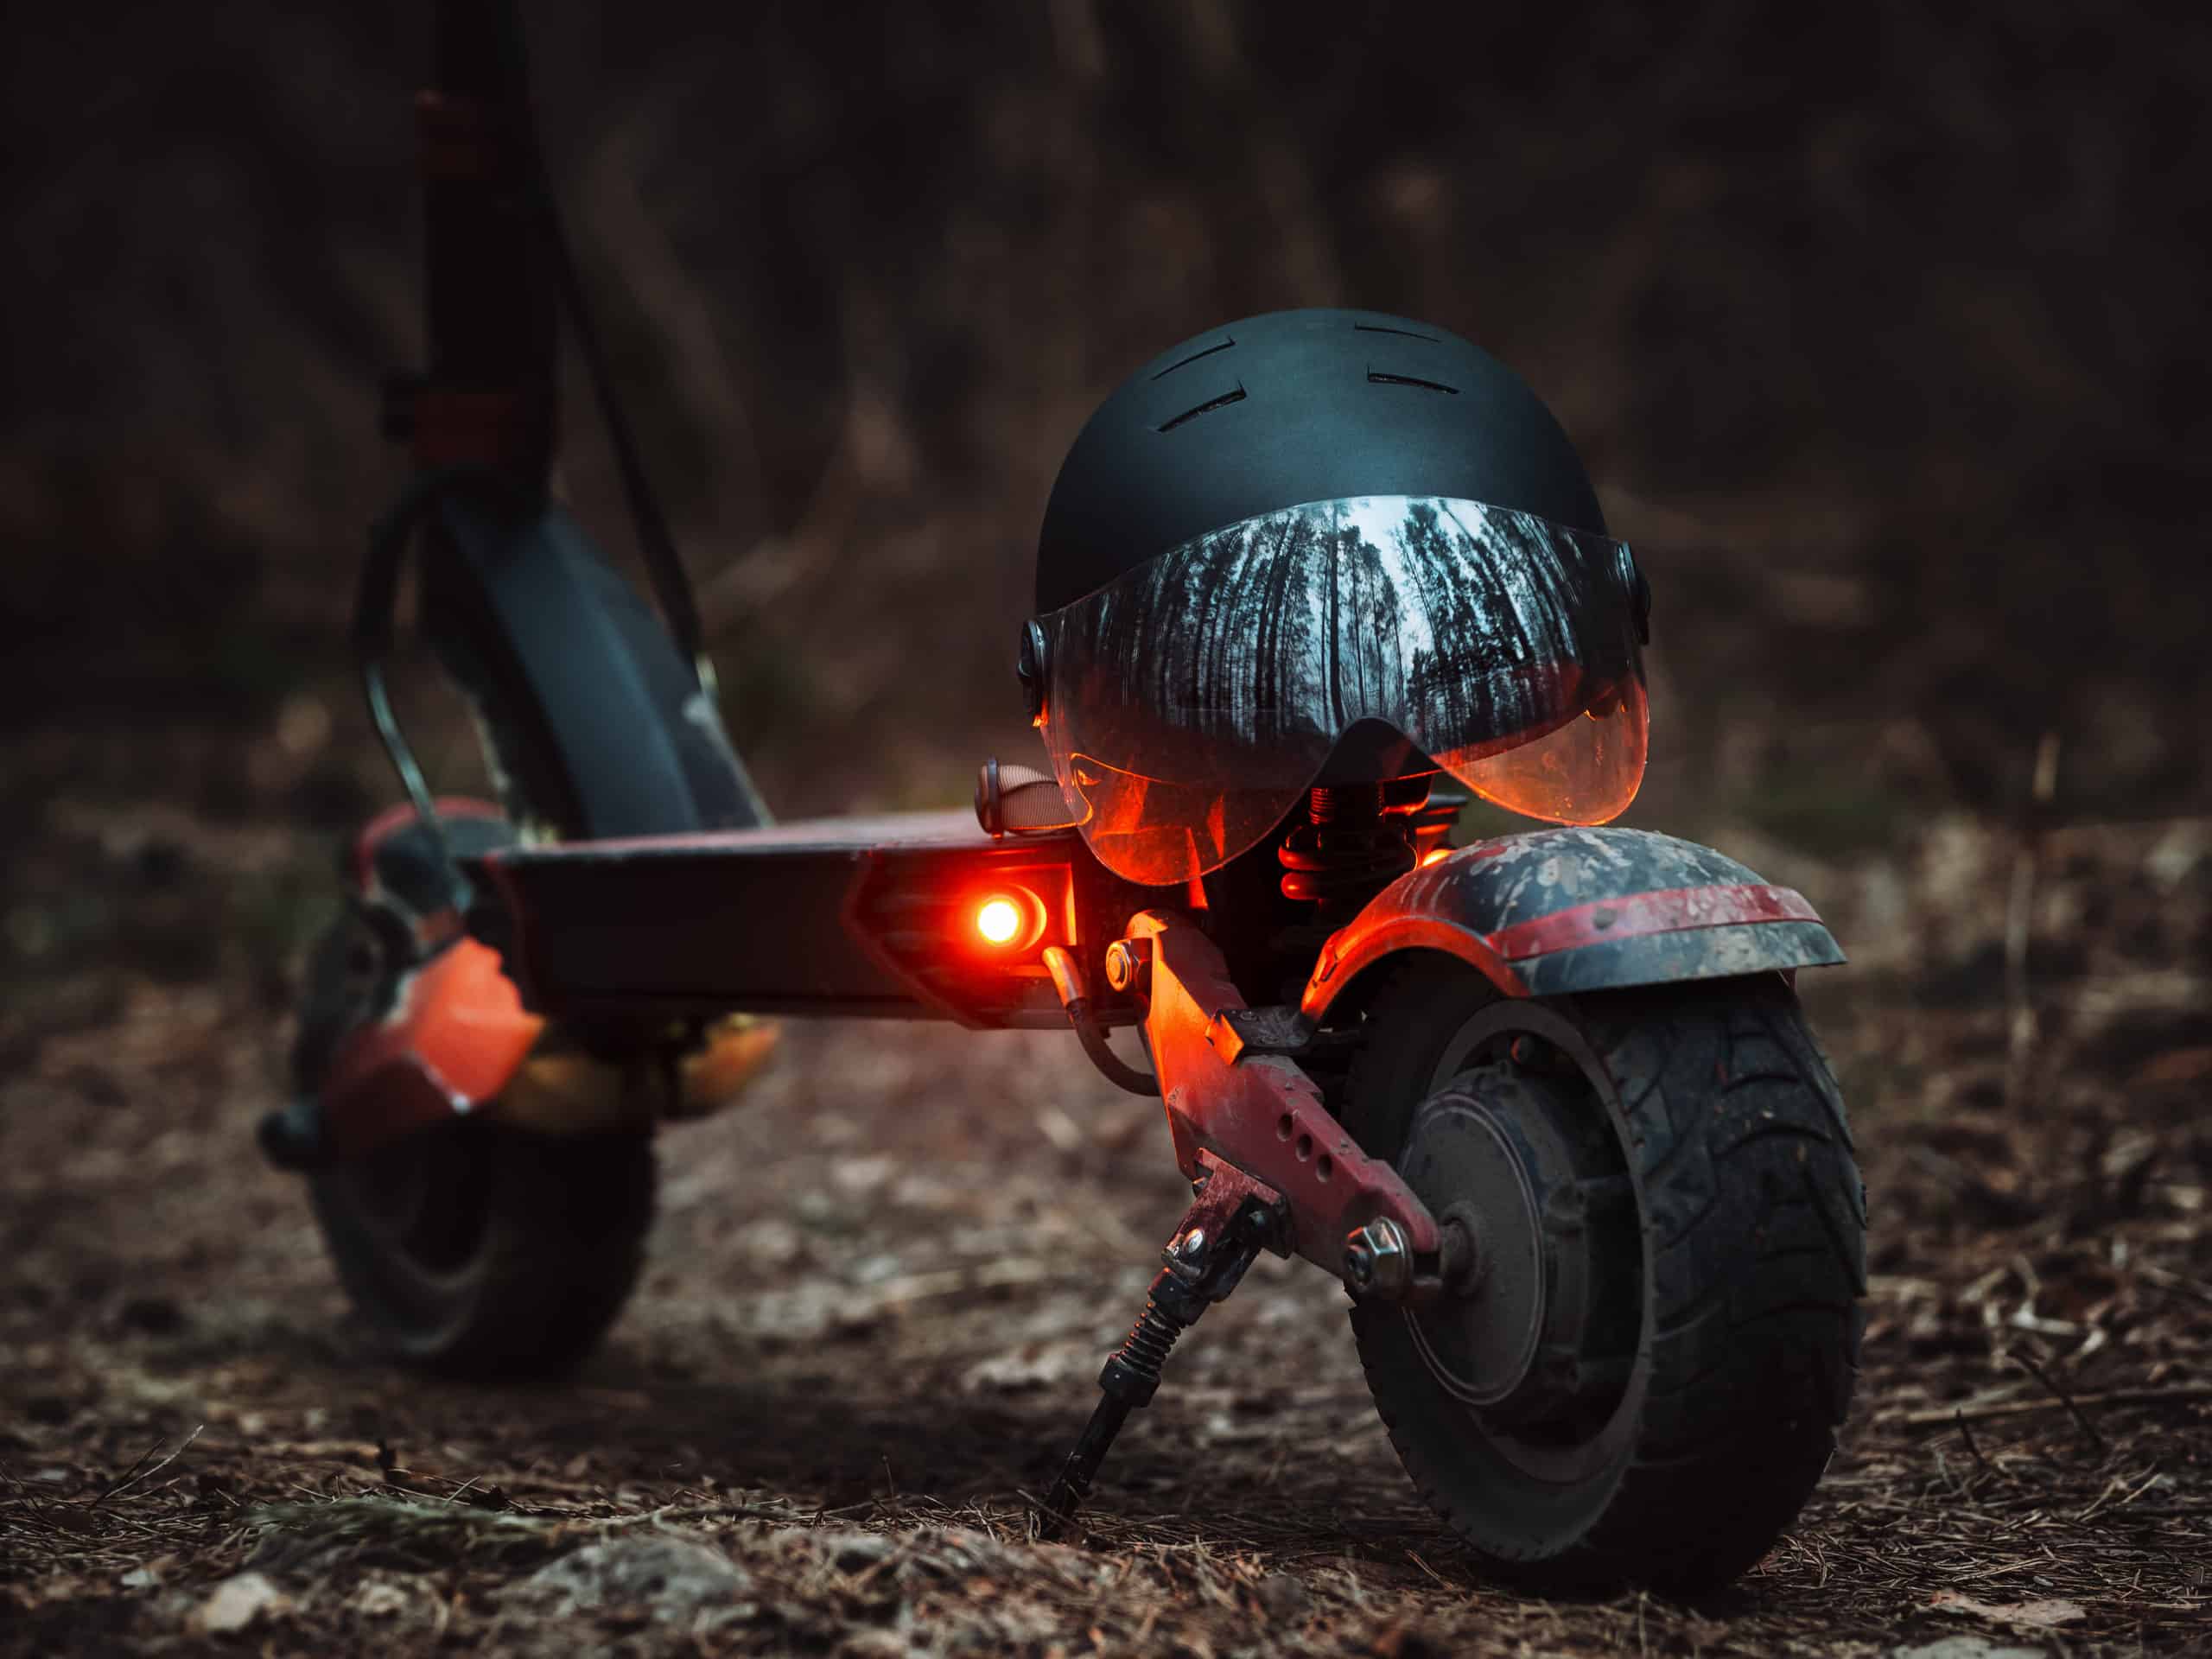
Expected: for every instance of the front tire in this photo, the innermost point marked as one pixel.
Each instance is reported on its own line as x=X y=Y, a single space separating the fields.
x=480 y=1250
x=1645 y=1382
x=471 y=1247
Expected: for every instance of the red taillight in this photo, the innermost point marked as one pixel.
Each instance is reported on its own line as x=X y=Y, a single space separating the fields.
x=1011 y=918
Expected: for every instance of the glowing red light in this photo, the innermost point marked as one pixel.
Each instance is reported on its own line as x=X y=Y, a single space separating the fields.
x=999 y=920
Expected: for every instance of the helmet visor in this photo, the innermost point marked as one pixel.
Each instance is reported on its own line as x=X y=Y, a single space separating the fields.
x=1190 y=701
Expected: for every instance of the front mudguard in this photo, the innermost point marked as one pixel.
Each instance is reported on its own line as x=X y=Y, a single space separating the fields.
x=1555 y=911
x=445 y=1034
x=607 y=728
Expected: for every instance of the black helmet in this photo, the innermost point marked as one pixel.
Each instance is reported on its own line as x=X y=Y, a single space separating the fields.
x=1327 y=542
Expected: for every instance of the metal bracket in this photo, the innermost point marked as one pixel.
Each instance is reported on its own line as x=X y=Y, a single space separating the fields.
x=1234 y=1032
x=1232 y=1092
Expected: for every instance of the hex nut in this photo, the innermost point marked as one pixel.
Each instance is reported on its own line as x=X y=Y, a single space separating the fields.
x=1126 y=963
x=1377 y=1259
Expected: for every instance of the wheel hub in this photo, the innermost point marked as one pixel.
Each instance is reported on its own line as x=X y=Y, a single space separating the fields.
x=1517 y=1163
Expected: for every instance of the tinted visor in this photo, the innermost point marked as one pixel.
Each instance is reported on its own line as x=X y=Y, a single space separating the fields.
x=1190 y=701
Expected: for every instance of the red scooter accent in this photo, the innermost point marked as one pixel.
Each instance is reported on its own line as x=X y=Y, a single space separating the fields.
x=455 y=1039
x=1676 y=910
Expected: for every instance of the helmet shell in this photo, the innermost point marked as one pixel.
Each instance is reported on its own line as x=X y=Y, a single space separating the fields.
x=1293 y=407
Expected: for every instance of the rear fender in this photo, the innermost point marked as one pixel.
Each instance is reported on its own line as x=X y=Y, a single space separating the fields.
x=1560 y=911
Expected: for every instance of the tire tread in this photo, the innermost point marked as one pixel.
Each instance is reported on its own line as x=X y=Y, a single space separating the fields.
x=1734 y=1128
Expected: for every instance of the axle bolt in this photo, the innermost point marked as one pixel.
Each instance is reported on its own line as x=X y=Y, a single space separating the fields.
x=1463 y=1260
x=1129 y=966
x=1378 y=1260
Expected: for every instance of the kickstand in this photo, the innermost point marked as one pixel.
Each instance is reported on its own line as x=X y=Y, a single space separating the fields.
x=1231 y=1221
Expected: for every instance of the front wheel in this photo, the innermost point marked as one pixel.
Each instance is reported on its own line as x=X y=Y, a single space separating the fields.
x=481 y=1250
x=1638 y=1377
x=471 y=1247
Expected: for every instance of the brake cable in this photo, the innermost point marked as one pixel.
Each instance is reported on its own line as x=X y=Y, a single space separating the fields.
x=375 y=604
x=1075 y=996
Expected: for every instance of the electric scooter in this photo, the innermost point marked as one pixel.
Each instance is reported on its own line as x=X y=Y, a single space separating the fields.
x=1544 y=1104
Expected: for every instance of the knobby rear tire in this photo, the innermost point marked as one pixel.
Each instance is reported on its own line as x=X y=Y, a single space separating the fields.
x=1752 y=1220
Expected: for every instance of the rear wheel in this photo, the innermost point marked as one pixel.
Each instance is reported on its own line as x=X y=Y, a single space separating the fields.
x=1640 y=1375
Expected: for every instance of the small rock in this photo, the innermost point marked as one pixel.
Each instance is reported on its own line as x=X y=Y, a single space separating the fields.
x=772 y=1241
x=668 y=1578
x=1965 y=1647
x=1282 y=1597
x=2045 y=1613
x=1034 y=1365
x=875 y=1644
x=237 y=1602
x=1404 y=1641
x=854 y=1551
x=379 y=1599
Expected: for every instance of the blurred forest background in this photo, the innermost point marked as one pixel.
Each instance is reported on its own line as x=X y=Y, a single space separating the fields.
x=1883 y=330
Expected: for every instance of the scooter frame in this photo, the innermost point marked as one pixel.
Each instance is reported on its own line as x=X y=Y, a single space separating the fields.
x=670 y=899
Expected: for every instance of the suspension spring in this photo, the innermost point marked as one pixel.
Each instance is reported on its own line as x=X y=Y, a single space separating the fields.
x=1132 y=1372
x=1350 y=846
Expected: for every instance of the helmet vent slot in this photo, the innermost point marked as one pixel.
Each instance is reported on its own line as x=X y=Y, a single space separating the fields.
x=1210 y=405
x=1221 y=345
x=1404 y=333
x=1378 y=378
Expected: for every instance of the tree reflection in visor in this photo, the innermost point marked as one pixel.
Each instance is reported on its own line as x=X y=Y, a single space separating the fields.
x=1190 y=702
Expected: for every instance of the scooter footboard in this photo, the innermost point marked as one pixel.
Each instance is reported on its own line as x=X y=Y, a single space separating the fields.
x=910 y=915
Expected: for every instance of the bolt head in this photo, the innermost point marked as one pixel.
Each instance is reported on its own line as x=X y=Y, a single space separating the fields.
x=1117 y=966
x=1125 y=965
x=1377 y=1258
x=1359 y=1265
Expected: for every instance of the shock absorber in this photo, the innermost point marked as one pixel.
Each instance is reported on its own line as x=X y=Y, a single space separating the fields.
x=1352 y=844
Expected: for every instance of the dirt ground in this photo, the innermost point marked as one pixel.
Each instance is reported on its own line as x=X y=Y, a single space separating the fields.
x=880 y=1287
x=1884 y=341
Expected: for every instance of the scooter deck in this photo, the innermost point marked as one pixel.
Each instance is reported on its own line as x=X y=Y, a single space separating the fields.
x=867 y=917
